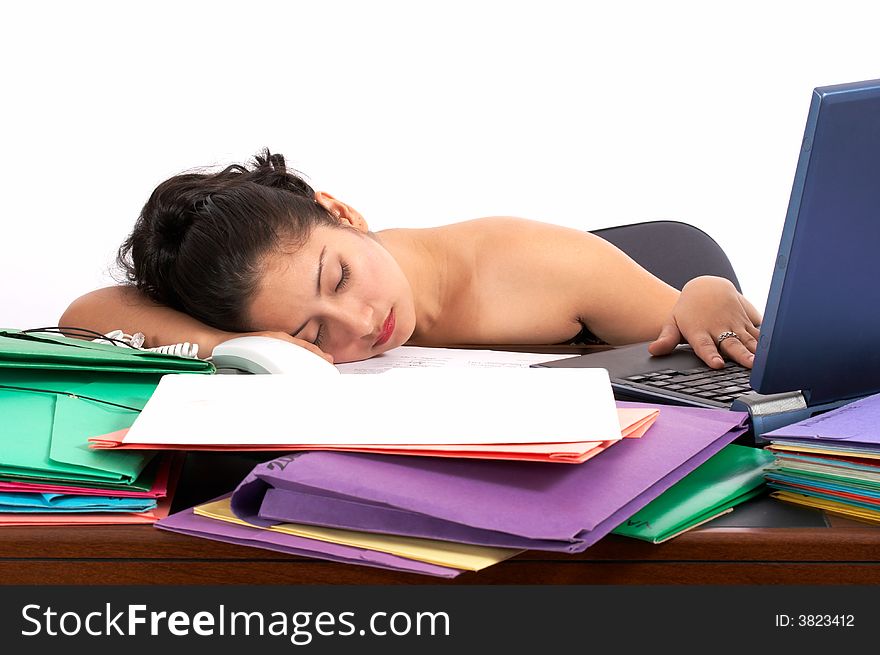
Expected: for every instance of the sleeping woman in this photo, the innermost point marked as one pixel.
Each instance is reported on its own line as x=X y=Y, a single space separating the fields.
x=253 y=249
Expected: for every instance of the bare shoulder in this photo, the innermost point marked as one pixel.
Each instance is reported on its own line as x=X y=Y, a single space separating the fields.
x=506 y=235
x=504 y=271
x=509 y=228
x=520 y=269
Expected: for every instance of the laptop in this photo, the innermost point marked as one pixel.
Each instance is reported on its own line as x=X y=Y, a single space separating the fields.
x=820 y=339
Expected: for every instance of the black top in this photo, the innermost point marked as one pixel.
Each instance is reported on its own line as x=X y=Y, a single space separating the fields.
x=585 y=337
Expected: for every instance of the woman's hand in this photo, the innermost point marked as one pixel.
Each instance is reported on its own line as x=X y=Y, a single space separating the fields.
x=707 y=308
x=279 y=335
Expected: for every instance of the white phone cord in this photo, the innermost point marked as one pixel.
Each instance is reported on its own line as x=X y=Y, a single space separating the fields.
x=185 y=349
x=136 y=340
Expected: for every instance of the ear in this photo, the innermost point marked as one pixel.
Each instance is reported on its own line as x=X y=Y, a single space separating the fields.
x=341 y=211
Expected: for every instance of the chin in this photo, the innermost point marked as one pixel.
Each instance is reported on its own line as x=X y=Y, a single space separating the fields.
x=404 y=332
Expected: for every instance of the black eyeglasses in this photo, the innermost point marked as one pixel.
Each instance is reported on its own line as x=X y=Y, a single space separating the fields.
x=73 y=332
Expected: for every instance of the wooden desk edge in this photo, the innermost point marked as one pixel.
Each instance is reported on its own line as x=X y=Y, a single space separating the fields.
x=852 y=544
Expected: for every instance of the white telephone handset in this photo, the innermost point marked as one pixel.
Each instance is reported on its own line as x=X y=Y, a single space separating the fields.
x=267 y=355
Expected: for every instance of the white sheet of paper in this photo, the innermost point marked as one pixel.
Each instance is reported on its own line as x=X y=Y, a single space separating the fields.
x=419 y=357
x=402 y=406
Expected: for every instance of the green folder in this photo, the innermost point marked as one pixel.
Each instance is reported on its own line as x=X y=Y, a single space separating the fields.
x=49 y=351
x=728 y=478
x=57 y=392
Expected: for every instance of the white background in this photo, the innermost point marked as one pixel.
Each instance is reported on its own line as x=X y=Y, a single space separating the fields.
x=417 y=114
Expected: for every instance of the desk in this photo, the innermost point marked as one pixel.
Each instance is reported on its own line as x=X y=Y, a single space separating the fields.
x=761 y=542
x=811 y=548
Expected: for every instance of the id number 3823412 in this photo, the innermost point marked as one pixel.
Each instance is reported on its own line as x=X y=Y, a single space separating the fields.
x=815 y=620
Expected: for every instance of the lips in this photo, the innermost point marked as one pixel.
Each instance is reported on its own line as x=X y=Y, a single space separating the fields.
x=387 y=330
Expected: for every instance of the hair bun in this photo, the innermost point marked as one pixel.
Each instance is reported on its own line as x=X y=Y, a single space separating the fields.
x=171 y=225
x=173 y=208
x=266 y=160
x=271 y=170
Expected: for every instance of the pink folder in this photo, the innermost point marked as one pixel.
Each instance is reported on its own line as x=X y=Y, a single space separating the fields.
x=158 y=490
x=634 y=422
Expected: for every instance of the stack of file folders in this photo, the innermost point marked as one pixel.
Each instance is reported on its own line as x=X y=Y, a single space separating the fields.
x=55 y=392
x=442 y=516
x=831 y=461
x=544 y=415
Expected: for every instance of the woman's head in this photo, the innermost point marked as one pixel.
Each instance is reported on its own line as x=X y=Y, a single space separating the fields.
x=240 y=250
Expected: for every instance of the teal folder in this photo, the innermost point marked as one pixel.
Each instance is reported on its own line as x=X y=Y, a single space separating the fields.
x=57 y=392
x=49 y=351
x=65 y=503
x=728 y=478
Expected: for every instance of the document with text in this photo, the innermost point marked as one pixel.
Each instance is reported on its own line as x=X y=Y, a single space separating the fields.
x=419 y=357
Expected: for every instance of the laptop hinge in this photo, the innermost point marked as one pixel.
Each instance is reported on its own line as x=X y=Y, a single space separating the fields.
x=771 y=411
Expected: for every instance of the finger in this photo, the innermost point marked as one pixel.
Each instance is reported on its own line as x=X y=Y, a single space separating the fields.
x=705 y=348
x=737 y=351
x=753 y=314
x=313 y=348
x=667 y=340
x=747 y=339
x=751 y=330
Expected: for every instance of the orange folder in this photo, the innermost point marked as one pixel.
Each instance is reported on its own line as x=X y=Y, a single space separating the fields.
x=634 y=422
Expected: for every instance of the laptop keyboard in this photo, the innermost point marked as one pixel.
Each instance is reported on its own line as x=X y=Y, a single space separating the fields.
x=721 y=385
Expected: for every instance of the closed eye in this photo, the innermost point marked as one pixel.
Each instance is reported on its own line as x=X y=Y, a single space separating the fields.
x=319 y=336
x=345 y=275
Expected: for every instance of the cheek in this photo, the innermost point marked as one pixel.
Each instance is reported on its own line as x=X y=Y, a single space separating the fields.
x=381 y=279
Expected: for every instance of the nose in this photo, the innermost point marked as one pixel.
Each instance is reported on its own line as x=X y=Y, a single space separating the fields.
x=356 y=320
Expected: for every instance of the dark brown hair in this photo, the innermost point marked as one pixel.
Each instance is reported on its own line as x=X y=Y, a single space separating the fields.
x=200 y=240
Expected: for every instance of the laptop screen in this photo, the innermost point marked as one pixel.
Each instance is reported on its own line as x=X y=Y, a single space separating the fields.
x=821 y=330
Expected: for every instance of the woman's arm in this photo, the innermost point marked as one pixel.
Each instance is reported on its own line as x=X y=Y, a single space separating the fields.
x=535 y=275
x=633 y=305
x=127 y=309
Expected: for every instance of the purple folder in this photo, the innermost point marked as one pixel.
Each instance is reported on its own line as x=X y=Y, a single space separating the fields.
x=854 y=423
x=562 y=507
x=187 y=522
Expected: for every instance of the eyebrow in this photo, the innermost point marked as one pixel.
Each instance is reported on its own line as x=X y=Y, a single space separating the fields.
x=317 y=288
x=320 y=268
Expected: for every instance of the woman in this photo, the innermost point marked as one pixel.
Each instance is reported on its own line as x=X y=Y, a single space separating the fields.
x=255 y=250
